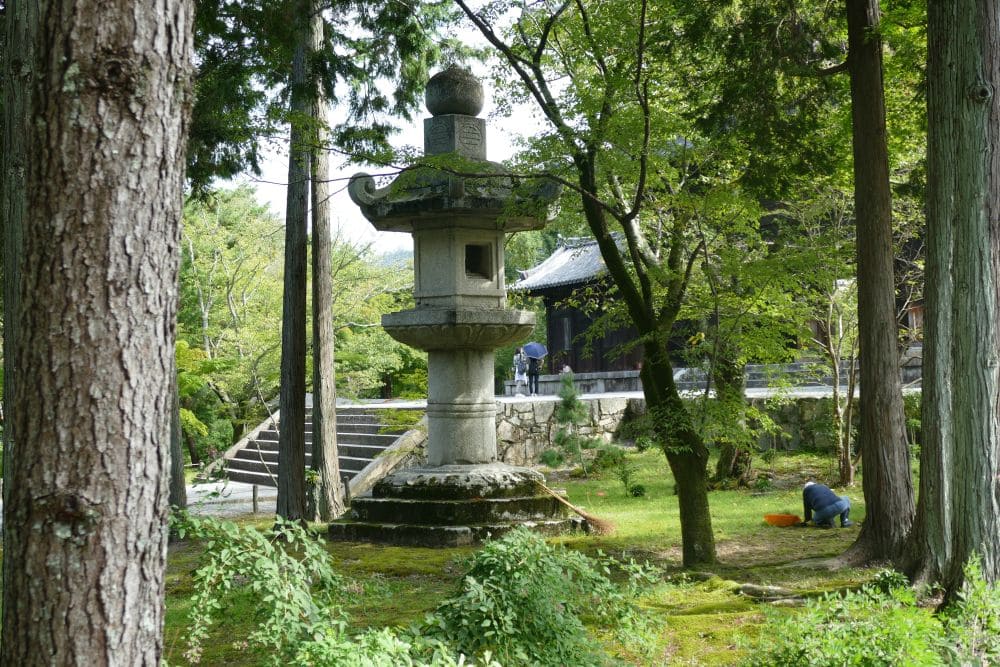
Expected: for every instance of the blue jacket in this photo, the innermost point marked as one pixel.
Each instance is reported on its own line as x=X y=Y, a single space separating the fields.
x=816 y=497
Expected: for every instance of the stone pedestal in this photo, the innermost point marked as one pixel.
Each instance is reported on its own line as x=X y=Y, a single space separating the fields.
x=453 y=505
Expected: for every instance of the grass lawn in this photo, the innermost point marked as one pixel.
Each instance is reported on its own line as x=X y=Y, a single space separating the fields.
x=699 y=623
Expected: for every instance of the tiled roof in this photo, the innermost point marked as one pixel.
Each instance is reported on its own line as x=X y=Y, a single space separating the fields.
x=576 y=261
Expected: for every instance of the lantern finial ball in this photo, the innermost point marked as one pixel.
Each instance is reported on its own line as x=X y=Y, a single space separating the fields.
x=454 y=90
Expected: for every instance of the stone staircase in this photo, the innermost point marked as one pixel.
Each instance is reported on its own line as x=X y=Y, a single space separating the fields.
x=361 y=437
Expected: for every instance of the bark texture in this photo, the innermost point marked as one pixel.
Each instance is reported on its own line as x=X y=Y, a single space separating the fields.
x=329 y=495
x=887 y=485
x=86 y=512
x=686 y=455
x=291 y=501
x=19 y=29
x=178 y=486
x=959 y=510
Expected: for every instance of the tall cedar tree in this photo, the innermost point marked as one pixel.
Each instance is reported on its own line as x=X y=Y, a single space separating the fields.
x=959 y=501
x=102 y=95
x=291 y=502
x=328 y=499
x=887 y=484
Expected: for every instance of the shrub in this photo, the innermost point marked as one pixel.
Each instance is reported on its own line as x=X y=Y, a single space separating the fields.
x=523 y=601
x=297 y=598
x=286 y=571
x=867 y=627
x=568 y=414
x=608 y=457
x=972 y=622
x=553 y=458
x=882 y=625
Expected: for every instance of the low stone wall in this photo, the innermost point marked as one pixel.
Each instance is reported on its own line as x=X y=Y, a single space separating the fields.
x=526 y=428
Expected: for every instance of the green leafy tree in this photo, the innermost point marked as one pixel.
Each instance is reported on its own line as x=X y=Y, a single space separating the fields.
x=635 y=169
x=798 y=129
x=820 y=249
x=230 y=288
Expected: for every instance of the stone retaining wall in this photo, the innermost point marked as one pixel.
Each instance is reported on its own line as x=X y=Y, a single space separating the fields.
x=527 y=428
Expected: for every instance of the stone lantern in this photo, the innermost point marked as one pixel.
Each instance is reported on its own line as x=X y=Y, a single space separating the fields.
x=458 y=210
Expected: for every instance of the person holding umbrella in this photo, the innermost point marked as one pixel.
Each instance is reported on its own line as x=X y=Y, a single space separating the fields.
x=535 y=352
x=520 y=370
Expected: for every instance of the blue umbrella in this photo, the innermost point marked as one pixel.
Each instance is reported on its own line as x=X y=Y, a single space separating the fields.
x=535 y=350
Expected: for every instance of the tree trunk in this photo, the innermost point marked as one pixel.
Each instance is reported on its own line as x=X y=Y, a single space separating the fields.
x=959 y=512
x=887 y=485
x=178 y=487
x=686 y=454
x=20 y=25
x=291 y=502
x=730 y=391
x=329 y=496
x=86 y=514
x=192 y=448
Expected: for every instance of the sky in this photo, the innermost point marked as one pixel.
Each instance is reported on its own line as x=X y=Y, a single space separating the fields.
x=501 y=134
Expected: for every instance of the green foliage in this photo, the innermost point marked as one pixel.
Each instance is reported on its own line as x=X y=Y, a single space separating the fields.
x=553 y=458
x=520 y=600
x=569 y=413
x=882 y=624
x=525 y=601
x=229 y=319
x=617 y=460
x=370 y=363
x=867 y=627
x=911 y=409
x=287 y=572
x=972 y=621
x=608 y=457
x=244 y=52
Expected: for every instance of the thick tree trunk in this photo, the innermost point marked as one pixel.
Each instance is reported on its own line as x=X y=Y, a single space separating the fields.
x=86 y=510
x=291 y=502
x=887 y=485
x=20 y=26
x=686 y=454
x=959 y=512
x=329 y=496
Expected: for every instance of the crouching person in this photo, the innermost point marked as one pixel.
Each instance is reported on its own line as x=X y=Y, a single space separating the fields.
x=821 y=505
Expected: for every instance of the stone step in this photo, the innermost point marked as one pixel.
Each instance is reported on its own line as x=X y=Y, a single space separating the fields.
x=348 y=464
x=475 y=511
x=251 y=477
x=373 y=428
x=357 y=418
x=255 y=452
x=343 y=440
x=442 y=536
x=361 y=437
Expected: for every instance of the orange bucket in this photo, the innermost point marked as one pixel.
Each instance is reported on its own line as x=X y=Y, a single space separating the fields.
x=782 y=520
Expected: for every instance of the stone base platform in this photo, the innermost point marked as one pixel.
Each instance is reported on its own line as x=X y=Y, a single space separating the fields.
x=453 y=505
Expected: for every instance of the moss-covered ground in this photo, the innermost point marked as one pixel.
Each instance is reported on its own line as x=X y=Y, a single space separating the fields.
x=699 y=622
